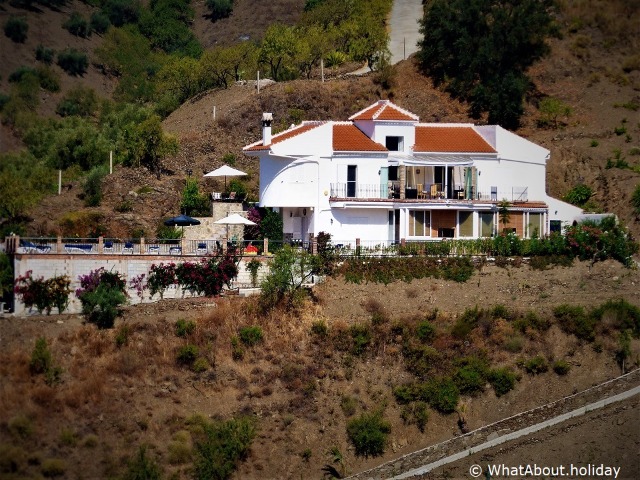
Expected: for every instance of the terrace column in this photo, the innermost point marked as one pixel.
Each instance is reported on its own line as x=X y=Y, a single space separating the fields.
x=265 y=246
x=59 y=244
x=100 y=244
x=403 y=180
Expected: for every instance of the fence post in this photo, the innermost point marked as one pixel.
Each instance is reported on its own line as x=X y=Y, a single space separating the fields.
x=59 y=244
x=265 y=246
x=142 y=249
x=357 y=247
x=100 y=244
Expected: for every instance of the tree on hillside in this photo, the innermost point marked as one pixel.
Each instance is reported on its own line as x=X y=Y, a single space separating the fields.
x=480 y=50
x=179 y=76
x=218 y=66
x=279 y=49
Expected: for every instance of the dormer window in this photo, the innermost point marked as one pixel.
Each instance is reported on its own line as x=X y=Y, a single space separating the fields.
x=394 y=144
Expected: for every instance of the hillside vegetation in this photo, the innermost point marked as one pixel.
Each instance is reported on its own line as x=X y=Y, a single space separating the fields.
x=583 y=104
x=200 y=388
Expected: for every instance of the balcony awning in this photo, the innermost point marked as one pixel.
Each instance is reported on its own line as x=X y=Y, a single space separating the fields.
x=397 y=158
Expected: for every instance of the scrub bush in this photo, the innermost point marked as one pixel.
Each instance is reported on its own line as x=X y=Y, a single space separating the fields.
x=73 y=61
x=16 y=29
x=250 y=335
x=502 y=380
x=102 y=293
x=369 y=433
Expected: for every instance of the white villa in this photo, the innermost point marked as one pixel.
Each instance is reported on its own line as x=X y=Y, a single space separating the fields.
x=384 y=177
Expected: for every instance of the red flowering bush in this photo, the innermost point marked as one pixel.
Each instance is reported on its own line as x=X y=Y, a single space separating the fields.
x=43 y=294
x=206 y=277
x=160 y=278
x=607 y=239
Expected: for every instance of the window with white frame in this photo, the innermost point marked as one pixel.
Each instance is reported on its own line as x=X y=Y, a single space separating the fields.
x=465 y=222
x=419 y=223
x=535 y=225
x=486 y=224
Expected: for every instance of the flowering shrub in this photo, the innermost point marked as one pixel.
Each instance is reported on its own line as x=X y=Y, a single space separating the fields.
x=101 y=293
x=137 y=284
x=160 y=278
x=43 y=294
x=206 y=277
x=607 y=239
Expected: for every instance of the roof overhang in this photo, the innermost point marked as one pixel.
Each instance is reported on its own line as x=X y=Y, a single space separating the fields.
x=421 y=159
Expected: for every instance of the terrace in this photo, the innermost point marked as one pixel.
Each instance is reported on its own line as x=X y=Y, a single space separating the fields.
x=429 y=192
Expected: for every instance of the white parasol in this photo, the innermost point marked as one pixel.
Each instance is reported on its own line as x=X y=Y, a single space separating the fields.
x=225 y=171
x=234 y=219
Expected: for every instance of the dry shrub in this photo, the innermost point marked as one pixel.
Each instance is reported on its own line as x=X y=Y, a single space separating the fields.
x=45 y=396
x=14 y=365
x=99 y=343
x=340 y=336
x=126 y=363
x=91 y=390
x=412 y=292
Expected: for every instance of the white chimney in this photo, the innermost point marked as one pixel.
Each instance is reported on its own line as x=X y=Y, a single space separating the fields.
x=267 y=118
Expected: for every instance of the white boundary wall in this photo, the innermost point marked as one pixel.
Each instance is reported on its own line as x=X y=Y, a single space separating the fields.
x=48 y=266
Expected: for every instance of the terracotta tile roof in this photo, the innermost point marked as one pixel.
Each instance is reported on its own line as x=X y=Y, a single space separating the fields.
x=279 y=137
x=349 y=138
x=384 y=110
x=450 y=139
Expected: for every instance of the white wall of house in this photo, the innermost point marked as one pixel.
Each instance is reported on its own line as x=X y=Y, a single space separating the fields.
x=370 y=225
x=406 y=130
x=563 y=211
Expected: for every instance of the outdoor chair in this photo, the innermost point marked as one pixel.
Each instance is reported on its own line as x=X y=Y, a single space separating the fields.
x=175 y=251
x=434 y=191
x=153 y=249
x=232 y=195
x=201 y=248
x=108 y=247
x=421 y=192
x=216 y=196
x=128 y=247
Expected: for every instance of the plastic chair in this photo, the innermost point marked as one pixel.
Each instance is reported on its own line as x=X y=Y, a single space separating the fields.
x=128 y=247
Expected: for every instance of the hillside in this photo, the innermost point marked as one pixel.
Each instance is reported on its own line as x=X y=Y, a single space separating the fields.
x=123 y=388
x=584 y=70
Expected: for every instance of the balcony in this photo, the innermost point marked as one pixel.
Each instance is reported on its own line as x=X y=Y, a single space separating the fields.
x=431 y=192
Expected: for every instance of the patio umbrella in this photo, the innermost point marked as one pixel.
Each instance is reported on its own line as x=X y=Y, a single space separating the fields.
x=225 y=171
x=234 y=219
x=181 y=221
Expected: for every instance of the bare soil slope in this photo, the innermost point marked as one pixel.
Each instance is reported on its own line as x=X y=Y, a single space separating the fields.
x=113 y=399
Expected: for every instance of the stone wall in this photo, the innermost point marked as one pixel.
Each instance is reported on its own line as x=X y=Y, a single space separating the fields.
x=207 y=230
x=52 y=265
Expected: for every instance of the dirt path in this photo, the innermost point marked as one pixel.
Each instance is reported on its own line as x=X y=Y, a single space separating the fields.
x=404 y=29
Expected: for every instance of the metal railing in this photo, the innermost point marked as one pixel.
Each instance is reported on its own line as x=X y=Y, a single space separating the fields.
x=434 y=191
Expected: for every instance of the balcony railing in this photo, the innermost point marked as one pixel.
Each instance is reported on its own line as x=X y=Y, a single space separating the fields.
x=436 y=191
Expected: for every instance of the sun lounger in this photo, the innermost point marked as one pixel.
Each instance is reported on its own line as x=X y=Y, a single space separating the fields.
x=153 y=249
x=128 y=247
x=78 y=247
x=175 y=251
x=30 y=247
